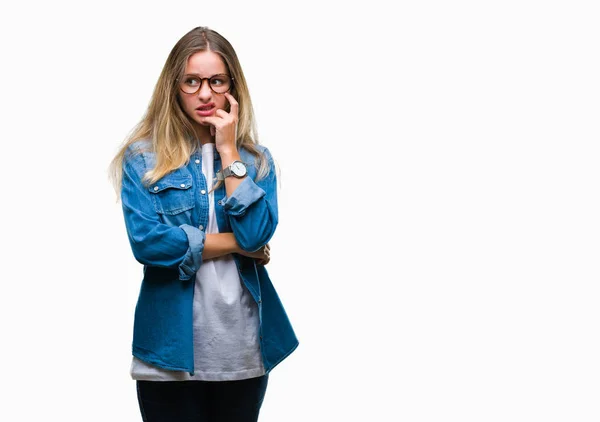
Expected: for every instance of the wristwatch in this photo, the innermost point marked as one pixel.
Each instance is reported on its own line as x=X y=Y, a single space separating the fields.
x=235 y=169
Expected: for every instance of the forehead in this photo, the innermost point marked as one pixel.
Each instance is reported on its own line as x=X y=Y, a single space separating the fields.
x=205 y=64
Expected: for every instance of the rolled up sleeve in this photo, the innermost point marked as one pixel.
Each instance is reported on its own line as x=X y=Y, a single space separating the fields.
x=246 y=194
x=252 y=209
x=153 y=242
x=193 y=256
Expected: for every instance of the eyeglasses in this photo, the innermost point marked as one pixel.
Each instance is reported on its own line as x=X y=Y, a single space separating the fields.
x=219 y=84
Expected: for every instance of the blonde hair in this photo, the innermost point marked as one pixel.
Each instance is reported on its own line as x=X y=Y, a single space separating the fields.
x=169 y=128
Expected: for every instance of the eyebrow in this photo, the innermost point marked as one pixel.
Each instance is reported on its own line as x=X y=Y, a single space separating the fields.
x=198 y=75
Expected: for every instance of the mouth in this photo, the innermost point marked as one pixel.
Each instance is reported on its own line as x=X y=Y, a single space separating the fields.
x=205 y=107
x=205 y=110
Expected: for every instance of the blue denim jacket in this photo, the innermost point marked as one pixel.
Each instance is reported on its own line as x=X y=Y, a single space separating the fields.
x=165 y=223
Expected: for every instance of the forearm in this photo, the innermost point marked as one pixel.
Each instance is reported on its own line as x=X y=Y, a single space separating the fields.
x=252 y=207
x=231 y=183
x=219 y=244
x=153 y=242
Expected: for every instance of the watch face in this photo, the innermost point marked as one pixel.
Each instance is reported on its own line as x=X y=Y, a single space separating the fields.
x=238 y=168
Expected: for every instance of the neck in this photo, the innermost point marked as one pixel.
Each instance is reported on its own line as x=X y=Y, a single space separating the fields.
x=202 y=134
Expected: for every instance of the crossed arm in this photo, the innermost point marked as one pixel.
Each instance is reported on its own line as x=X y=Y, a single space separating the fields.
x=220 y=244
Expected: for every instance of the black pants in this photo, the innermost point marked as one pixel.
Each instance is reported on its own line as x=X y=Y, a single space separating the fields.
x=199 y=401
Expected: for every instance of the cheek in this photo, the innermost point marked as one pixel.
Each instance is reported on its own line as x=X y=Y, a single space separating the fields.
x=187 y=106
x=223 y=103
x=185 y=102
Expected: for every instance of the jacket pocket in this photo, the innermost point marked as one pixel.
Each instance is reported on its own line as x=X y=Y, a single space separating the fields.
x=173 y=193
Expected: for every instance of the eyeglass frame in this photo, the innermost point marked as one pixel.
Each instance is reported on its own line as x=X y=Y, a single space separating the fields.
x=202 y=83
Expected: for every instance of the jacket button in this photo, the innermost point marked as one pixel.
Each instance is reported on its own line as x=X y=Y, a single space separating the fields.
x=197 y=161
x=203 y=192
x=155 y=188
x=201 y=227
x=182 y=185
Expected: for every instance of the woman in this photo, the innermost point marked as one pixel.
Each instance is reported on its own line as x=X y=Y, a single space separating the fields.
x=200 y=206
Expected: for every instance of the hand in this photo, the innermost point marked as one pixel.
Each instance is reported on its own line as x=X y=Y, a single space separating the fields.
x=263 y=255
x=224 y=126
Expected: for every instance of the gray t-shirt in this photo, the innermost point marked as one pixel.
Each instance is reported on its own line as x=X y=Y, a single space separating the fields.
x=226 y=325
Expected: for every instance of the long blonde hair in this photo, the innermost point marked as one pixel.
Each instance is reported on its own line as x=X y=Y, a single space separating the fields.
x=167 y=126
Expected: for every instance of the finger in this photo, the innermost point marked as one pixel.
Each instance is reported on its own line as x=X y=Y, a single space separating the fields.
x=222 y=113
x=212 y=130
x=234 y=104
x=215 y=121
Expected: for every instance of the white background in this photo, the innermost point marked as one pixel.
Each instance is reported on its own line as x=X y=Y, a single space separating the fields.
x=438 y=244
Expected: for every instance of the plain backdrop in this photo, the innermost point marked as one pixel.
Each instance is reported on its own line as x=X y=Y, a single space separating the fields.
x=437 y=251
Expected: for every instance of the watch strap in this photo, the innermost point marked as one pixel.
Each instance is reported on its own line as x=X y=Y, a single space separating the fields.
x=226 y=172
x=222 y=174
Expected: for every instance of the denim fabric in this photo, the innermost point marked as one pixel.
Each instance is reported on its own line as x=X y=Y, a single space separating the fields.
x=165 y=224
x=223 y=401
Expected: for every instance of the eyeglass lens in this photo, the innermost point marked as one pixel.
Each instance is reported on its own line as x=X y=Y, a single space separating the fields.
x=190 y=84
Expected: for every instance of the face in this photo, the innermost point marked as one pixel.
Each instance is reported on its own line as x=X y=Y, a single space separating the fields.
x=203 y=64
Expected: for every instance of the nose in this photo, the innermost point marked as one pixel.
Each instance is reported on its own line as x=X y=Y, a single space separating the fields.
x=204 y=93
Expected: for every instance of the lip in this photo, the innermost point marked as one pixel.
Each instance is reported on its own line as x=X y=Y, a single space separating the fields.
x=206 y=112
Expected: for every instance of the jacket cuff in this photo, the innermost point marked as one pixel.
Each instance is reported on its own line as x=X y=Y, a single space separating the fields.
x=193 y=257
x=244 y=195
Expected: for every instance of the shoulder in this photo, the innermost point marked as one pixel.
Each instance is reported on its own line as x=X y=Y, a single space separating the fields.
x=140 y=153
x=141 y=146
x=262 y=150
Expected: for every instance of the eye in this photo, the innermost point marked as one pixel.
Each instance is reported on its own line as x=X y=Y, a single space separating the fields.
x=191 y=81
x=217 y=81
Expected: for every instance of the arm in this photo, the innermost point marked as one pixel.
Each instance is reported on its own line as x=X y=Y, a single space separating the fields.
x=153 y=242
x=220 y=244
x=252 y=206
